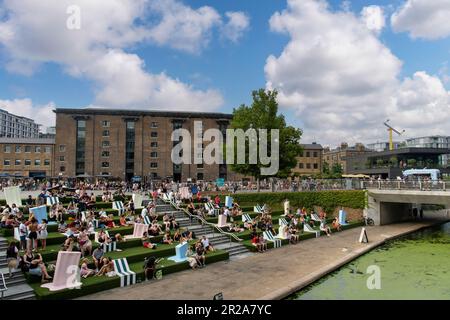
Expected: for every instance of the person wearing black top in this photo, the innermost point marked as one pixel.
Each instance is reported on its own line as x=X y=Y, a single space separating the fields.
x=150 y=268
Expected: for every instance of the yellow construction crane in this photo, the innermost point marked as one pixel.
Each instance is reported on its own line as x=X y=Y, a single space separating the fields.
x=391 y=130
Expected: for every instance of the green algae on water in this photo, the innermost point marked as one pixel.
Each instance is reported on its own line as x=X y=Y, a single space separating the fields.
x=411 y=267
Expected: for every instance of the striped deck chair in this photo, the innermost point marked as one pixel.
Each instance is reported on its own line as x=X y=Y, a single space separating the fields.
x=308 y=228
x=147 y=220
x=138 y=231
x=107 y=247
x=165 y=197
x=315 y=217
x=212 y=211
x=3 y=286
x=282 y=234
x=269 y=237
x=52 y=200
x=258 y=209
x=127 y=277
x=246 y=218
x=283 y=222
x=118 y=205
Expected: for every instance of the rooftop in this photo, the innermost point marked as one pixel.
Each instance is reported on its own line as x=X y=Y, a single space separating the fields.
x=311 y=146
x=155 y=113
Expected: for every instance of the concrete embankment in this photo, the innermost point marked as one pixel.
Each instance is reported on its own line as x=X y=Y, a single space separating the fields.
x=271 y=275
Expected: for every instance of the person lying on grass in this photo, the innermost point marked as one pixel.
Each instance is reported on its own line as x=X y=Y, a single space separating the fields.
x=84 y=269
x=146 y=242
x=236 y=228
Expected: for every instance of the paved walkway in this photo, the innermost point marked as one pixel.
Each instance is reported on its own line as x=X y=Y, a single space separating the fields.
x=272 y=275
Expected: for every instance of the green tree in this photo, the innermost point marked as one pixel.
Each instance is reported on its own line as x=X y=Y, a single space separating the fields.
x=380 y=163
x=393 y=161
x=326 y=168
x=412 y=163
x=263 y=114
x=337 y=170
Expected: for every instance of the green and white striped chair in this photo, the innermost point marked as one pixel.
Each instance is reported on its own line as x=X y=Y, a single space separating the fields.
x=147 y=220
x=269 y=237
x=52 y=200
x=118 y=205
x=246 y=218
x=127 y=277
x=308 y=228
x=283 y=222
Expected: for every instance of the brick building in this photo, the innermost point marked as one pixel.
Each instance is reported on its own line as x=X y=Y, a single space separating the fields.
x=27 y=157
x=127 y=144
x=310 y=161
x=342 y=154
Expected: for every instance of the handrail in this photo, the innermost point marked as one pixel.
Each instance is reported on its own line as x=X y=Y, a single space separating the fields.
x=191 y=216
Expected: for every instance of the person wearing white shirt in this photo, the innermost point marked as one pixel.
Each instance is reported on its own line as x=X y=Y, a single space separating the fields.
x=144 y=212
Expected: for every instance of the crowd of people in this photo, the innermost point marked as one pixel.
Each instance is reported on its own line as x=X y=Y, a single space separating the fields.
x=79 y=219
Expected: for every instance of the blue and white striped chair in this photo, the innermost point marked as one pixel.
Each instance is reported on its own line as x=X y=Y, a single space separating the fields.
x=118 y=205
x=127 y=277
x=269 y=237
x=52 y=200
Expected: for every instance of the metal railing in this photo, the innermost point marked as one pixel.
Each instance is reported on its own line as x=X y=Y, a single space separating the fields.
x=204 y=222
x=421 y=185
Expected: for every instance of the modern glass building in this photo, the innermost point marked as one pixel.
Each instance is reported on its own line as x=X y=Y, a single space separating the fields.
x=12 y=126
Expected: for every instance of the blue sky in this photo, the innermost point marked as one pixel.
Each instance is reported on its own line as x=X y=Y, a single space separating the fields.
x=232 y=69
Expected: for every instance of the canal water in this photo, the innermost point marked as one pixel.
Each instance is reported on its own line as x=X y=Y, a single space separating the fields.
x=416 y=266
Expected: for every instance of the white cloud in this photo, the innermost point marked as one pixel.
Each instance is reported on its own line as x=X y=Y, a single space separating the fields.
x=342 y=81
x=41 y=114
x=238 y=23
x=374 y=18
x=423 y=19
x=182 y=27
x=33 y=33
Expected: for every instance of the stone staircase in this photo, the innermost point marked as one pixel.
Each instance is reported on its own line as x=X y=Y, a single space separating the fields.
x=218 y=240
x=18 y=289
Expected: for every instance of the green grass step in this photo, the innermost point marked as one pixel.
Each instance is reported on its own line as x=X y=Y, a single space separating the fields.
x=98 y=284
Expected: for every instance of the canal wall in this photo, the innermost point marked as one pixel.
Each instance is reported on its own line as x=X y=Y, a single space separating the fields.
x=275 y=274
